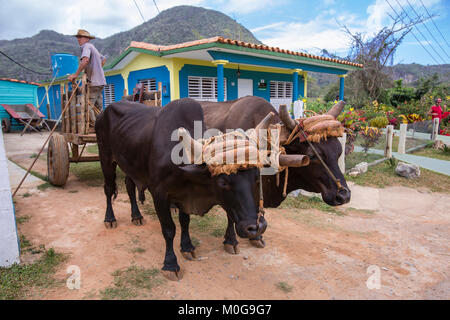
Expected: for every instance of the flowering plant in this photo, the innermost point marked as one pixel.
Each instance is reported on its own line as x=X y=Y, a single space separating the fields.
x=410 y=118
x=371 y=136
x=445 y=132
x=352 y=119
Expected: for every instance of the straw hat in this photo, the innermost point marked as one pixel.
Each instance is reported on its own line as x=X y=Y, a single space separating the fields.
x=83 y=33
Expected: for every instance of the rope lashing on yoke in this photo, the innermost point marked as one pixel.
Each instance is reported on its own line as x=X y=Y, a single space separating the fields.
x=314 y=129
x=238 y=150
x=227 y=153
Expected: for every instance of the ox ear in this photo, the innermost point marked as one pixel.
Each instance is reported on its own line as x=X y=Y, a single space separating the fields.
x=196 y=173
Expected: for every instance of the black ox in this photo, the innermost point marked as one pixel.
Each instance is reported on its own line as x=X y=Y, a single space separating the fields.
x=245 y=113
x=137 y=138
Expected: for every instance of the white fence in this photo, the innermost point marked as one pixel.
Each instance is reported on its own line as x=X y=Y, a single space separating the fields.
x=404 y=133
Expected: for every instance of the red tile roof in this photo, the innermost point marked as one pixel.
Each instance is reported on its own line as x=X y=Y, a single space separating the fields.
x=20 y=81
x=154 y=47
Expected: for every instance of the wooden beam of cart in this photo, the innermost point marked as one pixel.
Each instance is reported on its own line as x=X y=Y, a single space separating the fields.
x=48 y=138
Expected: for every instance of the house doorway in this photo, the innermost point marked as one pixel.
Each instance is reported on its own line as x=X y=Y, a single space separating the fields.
x=245 y=87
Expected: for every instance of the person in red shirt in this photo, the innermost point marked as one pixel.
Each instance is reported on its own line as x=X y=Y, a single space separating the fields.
x=437 y=111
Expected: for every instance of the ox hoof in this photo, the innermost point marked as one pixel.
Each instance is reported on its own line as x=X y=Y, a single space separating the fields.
x=231 y=249
x=260 y=243
x=189 y=255
x=138 y=221
x=111 y=225
x=172 y=275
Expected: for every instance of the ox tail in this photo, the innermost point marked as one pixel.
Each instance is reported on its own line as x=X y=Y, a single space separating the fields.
x=115 y=192
x=141 y=196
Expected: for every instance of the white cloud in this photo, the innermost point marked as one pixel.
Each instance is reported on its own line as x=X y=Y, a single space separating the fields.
x=269 y=26
x=324 y=31
x=24 y=18
x=380 y=12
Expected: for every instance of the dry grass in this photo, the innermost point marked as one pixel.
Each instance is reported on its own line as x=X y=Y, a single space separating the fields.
x=17 y=281
x=383 y=175
x=410 y=142
x=133 y=282
x=429 y=152
x=352 y=159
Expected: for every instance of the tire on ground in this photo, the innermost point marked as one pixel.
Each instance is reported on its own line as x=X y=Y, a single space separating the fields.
x=57 y=160
x=6 y=125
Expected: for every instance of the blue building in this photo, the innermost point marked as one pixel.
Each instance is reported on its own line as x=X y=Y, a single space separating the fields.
x=215 y=69
x=14 y=91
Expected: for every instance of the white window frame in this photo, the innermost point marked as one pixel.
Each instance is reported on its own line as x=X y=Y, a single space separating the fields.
x=280 y=93
x=281 y=89
x=109 y=94
x=150 y=84
x=201 y=88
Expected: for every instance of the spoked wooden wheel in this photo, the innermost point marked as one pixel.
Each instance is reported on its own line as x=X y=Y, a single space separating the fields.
x=57 y=160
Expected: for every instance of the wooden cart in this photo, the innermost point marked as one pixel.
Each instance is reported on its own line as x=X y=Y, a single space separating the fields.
x=77 y=129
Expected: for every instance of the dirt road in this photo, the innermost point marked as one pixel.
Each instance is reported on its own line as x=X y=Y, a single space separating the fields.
x=310 y=254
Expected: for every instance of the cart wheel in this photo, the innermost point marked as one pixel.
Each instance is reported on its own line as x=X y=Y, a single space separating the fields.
x=57 y=160
x=6 y=125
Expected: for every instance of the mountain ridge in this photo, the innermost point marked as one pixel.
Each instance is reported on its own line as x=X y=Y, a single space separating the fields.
x=175 y=25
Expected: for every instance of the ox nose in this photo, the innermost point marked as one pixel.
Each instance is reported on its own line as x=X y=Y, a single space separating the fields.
x=343 y=196
x=254 y=230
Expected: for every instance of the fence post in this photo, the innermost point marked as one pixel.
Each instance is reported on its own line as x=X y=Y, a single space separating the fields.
x=402 y=139
x=389 y=135
x=341 y=161
x=435 y=132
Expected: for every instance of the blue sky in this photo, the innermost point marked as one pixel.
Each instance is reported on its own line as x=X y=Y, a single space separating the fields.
x=296 y=25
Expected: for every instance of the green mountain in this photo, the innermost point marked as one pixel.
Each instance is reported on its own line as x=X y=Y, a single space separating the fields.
x=411 y=73
x=174 y=25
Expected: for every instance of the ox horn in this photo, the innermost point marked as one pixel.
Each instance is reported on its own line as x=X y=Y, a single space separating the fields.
x=190 y=144
x=286 y=118
x=293 y=160
x=264 y=124
x=336 y=110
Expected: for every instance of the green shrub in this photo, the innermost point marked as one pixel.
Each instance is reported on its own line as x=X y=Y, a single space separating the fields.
x=379 y=122
x=400 y=94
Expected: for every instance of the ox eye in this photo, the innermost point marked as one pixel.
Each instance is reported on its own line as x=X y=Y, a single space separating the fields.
x=224 y=183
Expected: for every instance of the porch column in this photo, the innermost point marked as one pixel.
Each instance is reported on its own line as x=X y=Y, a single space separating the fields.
x=305 y=84
x=125 y=82
x=341 y=86
x=220 y=79
x=295 y=84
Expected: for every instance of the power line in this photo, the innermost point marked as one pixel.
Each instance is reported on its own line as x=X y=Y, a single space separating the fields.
x=21 y=65
x=435 y=24
x=154 y=1
x=413 y=33
x=139 y=10
x=429 y=42
x=428 y=30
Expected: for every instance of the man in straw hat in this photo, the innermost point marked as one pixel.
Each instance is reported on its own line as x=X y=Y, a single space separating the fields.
x=92 y=62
